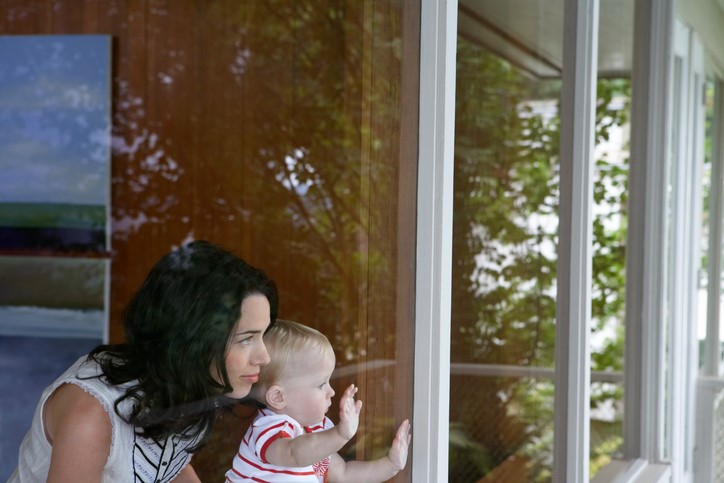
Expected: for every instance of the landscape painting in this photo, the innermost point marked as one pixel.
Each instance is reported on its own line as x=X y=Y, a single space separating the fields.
x=55 y=109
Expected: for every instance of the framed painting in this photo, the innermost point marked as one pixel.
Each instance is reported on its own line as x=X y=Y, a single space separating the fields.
x=55 y=119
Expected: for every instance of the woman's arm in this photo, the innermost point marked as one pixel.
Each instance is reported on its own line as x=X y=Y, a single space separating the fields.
x=79 y=430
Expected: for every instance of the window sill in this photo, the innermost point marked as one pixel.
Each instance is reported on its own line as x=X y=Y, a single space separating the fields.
x=633 y=471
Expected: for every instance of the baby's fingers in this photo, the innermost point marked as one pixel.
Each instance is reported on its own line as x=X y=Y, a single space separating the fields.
x=403 y=432
x=348 y=403
x=350 y=391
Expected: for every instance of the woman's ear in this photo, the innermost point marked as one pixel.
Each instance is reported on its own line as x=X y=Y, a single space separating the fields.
x=275 y=397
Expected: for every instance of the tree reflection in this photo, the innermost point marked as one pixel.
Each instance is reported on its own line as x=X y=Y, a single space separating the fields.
x=287 y=151
x=504 y=271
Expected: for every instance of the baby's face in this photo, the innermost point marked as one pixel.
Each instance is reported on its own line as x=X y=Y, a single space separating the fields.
x=308 y=393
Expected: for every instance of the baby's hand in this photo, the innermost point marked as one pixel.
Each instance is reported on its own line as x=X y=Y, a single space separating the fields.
x=398 y=450
x=349 y=410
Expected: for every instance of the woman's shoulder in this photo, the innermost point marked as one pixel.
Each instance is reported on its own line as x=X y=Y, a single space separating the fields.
x=70 y=405
x=79 y=429
x=82 y=398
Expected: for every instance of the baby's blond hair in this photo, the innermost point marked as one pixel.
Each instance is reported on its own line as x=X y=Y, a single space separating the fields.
x=285 y=341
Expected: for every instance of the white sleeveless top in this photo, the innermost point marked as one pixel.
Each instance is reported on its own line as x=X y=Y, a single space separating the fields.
x=132 y=458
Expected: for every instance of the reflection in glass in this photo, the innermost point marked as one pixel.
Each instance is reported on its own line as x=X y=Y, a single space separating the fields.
x=505 y=242
x=275 y=129
x=611 y=154
x=285 y=146
x=707 y=232
x=504 y=248
x=708 y=227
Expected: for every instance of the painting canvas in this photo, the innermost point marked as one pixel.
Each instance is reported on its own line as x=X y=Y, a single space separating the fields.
x=55 y=107
x=54 y=142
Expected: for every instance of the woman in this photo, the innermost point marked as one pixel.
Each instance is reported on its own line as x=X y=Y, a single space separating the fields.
x=137 y=411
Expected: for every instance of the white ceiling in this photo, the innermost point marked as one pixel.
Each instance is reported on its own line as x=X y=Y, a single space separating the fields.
x=529 y=33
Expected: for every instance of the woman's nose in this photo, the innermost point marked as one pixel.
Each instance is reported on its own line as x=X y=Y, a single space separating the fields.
x=263 y=355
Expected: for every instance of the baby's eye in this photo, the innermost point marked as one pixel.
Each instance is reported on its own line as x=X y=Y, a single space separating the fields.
x=322 y=385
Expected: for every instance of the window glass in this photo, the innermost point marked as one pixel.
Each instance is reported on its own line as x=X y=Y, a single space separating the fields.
x=505 y=239
x=708 y=225
x=285 y=131
x=610 y=222
x=708 y=230
x=608 y=270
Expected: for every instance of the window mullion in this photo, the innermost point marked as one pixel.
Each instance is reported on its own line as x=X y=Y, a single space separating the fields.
x=647 y=230
x=438 y=21
x=712 y=349
x=573 y=318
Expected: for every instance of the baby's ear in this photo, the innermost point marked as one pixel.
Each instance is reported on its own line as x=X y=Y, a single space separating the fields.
x=275 y=397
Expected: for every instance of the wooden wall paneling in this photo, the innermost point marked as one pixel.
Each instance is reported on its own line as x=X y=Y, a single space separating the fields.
x=132 y=258
x=367 y=242
x=92 y=12
x=270 y=130
x=244 y=152
x=67 y=17
x=383 y=105
x=170 y=166
x=146 y=188
x=24 y=17
x=156 y=196
x=221 y=164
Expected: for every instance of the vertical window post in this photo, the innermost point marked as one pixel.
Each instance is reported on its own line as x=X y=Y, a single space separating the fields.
x=646 y=242
x=573 y=315
x=438 y=24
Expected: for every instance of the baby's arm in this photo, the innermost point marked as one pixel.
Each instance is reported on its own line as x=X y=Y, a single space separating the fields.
x=307 y=449
x=375 y=471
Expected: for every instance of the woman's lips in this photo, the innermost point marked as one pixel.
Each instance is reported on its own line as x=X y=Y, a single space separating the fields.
x=252 y=379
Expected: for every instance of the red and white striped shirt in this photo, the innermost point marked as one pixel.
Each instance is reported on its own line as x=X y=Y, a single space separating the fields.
x=250 y=463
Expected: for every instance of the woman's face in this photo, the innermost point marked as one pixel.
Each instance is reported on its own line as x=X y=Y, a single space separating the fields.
x=246 y=351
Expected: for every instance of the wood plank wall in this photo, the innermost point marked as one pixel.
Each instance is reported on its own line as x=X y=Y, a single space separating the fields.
x=276 y=129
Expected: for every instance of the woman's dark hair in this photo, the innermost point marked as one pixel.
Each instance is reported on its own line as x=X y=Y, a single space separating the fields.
x=177 y=327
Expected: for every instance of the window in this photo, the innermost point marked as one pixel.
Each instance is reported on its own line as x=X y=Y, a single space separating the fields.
x=285 y=131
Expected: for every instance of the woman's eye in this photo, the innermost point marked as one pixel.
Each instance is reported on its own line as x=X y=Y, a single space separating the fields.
x=246 y=340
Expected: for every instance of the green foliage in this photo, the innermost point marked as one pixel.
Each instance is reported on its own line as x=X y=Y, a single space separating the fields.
x=466 y=453
x=504 y=252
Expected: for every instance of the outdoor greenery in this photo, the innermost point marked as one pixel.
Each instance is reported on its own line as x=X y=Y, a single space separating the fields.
x=504 y=271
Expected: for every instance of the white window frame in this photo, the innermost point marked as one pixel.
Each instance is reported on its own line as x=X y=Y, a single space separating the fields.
x=438 y=44
x=645 y=274
x=571 y=435
x=646 y=415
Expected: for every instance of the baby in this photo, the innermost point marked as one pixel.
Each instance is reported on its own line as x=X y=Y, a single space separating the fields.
x=291 y=440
